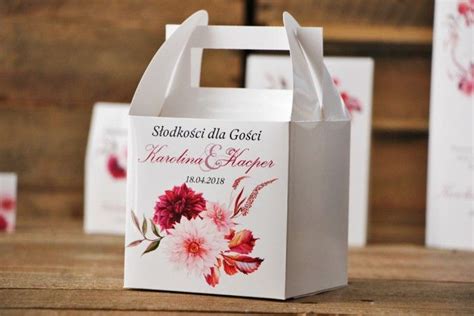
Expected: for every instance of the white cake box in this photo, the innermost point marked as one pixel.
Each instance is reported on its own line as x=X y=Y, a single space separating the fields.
x=237 y=191
x=105 y=170
x=353 y=77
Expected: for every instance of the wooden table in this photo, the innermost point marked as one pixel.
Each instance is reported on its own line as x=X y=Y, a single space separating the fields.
x=59 y=269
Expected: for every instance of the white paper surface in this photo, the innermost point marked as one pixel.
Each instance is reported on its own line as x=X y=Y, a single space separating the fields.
x=354 y=80
x=105 y=169
x=450 y=213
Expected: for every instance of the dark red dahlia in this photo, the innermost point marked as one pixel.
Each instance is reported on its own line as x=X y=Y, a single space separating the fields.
x=175 y=203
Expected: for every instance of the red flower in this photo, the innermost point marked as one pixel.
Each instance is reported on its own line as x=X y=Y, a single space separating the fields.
x=175 y=203
x=3 y=223
x=244 y=264
x=7 y=203
x=214 y=274
x=115 y=169
x=241 y=242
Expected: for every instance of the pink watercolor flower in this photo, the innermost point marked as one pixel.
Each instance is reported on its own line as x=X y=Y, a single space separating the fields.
x=220 y=216
x=181 y=201
x=466 y=10
x=194 y=245
x=466 y=82
x=351 y=103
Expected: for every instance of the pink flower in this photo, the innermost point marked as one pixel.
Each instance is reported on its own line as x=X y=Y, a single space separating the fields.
x=466 y=83
x=195 y=245
x=220 y=216
x=351 y=103
x=176 y=203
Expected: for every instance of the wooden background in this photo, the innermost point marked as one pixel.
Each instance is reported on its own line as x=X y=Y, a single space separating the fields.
x=58 y=57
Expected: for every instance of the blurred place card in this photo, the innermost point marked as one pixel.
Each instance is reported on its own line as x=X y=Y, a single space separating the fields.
x=450 y=205
x=354 y=79
x=7 y=201
x=105 y=169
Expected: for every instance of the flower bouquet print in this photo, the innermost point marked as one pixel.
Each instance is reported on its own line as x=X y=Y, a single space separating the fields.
x=237 y=191
x=105 y=169
x=201 y=235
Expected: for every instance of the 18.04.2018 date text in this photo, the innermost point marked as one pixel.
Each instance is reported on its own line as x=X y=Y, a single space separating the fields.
x=205 y=180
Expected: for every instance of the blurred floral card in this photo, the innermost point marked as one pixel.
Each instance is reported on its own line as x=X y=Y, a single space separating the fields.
x=105 y=169
x=8 y=189
x=353 y=78
x=450 y=205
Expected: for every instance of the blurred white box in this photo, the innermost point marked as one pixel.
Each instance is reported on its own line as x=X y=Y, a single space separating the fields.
x=8 y=201
x=450 y=204
x=105 y=169
x=353 y=77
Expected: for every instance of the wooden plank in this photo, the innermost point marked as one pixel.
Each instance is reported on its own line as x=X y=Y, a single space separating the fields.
x=96 y=312
x=401 y=89
x=60 y=256
x=400 y=22
x=361 y=296
x=42 y=208
x=415 y=126
x=59 y=269
x=398 y=188
x=44 y=145
x=57 y=52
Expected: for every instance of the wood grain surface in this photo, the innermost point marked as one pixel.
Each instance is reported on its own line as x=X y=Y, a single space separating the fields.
x=360 y=21
x=58 y=269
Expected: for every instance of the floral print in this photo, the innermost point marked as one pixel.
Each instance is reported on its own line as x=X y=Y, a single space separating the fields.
x=199 y=236
x=176 y=203
x=461 y=69
x=7 y=209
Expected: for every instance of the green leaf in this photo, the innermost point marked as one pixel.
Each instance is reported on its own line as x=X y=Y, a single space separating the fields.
x=152 y=246
x=154 y=229
x=144 y=226
x=135 y=243
x=135 y=221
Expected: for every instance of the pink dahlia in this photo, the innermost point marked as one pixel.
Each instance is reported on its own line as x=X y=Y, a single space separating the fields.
x=220 y=216
x=176 y=203
x=195 y=245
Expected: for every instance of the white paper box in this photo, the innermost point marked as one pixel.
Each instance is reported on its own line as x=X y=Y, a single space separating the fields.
x=105 y=169
x=353 y=77
x=8 y=201
x=192 y=151
x=450 y=205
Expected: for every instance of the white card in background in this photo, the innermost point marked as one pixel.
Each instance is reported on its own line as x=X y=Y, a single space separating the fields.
x=105 y=169
x=8 y=201
x=450 y=204
x=354 y=80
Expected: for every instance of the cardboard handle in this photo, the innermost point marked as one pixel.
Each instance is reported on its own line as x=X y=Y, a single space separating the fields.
x=307 y=89
x=177 y=66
